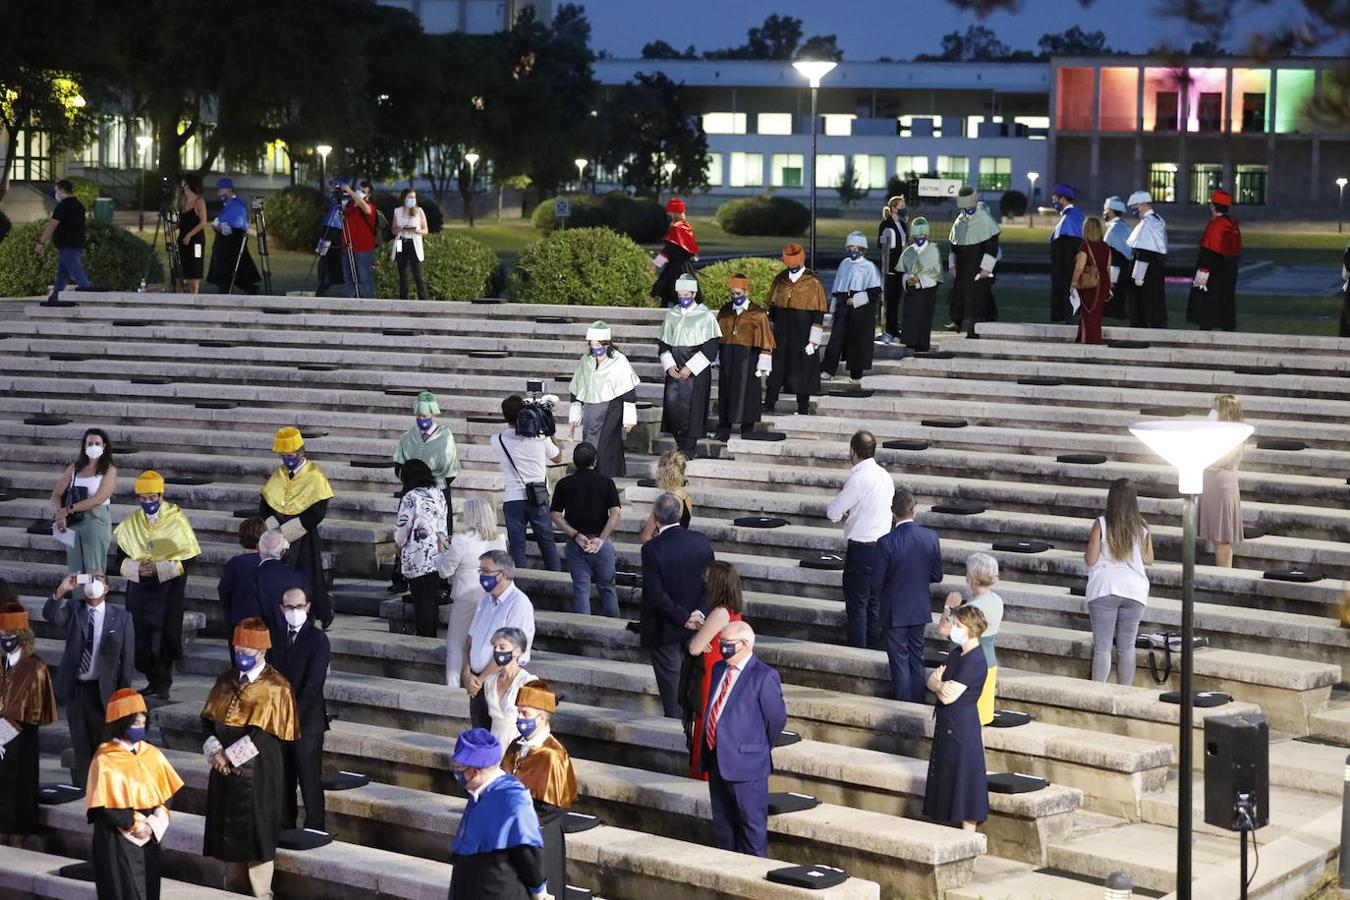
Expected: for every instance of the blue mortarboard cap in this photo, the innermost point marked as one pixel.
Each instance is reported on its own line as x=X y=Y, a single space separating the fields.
x=477 y=749
x=1066 y=191
x=223 y=183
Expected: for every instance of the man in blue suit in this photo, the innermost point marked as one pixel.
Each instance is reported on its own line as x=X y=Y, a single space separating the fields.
x=745 y=716
x=99 y=659
x=673 y=563
x=909 y=559
x=256 y=591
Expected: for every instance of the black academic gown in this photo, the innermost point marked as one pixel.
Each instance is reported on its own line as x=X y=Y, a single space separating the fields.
x=972 y=300
x=853 y=331
x=1149 y=309
x=306 y=555
x=156 y=609
x=893 y=283
x=1062 y=252
x=679 y=261
x=19 y=783
x=123 y=871
x=1345 y=301
x=684 y=404
x=739 y=401
x=1122 y=292
x=1216 y=305
x=245 y=810
x=226 y=250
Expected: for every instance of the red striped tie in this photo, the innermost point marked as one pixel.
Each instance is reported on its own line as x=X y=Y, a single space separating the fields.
x=717 y=706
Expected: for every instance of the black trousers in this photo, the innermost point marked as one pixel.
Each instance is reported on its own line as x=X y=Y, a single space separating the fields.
x=426 y=598
x=479 y=717
x=894 y=290
x=304 y=766
x=85 y=712
x=666 y=661
x=407 y=259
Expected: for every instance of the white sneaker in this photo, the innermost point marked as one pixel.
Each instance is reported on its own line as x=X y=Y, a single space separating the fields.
x=825 y=376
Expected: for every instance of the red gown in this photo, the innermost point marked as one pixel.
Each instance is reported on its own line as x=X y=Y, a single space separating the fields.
x=1094 y=301
x=711 y=657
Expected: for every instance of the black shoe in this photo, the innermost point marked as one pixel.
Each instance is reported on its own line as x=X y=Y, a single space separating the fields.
x=723 y=434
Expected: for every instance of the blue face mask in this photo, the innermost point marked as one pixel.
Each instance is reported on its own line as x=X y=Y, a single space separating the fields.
x=599 y=351
x=488 y=582
x=502 y=657
x=686 y=300
x=425 y=424
x=291 y=462
x=738 y=299
x=1058 y=205
x=150 y=507
x=526 y=727
x=921 y=239
x=245 y=661
x=726 y=648
x=1136 y=212
x=461 y=777
x=795 y=269
x=9 y=644
x=854 y=254
x=136 y=734
x=223 y=198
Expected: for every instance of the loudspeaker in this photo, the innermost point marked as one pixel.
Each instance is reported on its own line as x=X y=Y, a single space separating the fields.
x=1237 y=761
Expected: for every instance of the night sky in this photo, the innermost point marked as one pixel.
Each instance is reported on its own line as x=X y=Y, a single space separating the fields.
x=868 y=29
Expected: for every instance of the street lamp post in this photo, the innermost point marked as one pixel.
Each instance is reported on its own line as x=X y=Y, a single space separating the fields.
x=143 y=141
x=472 y=159
x=1031 y=197
x=669 y=168
x=1189 y=446
x=323 y=151
x=1340 y=204
x=813 y=71
x=581 y=172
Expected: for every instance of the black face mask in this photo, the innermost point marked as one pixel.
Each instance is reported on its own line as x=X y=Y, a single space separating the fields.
x=9 y=644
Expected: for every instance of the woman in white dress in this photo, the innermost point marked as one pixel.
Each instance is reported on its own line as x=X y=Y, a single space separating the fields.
x=500 y=690
x=459 y=566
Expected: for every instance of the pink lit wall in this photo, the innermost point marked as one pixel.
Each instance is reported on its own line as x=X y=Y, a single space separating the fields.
x=1249 y=81
x=1204 y=81
x=1073 y=100
x=1119 y=100
x=1156 y=80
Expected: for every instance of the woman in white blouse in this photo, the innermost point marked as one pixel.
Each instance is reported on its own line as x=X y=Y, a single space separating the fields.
x=500 y=689
x=80 y=504
x=421 y=536
x=459 y=565
x=410 y=223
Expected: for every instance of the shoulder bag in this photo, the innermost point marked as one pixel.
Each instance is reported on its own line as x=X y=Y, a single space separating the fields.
x=536 y=492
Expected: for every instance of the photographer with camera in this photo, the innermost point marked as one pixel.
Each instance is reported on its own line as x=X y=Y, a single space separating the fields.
x=359 y=235
x=231 y=264
x=192 y=232
x=524 y=460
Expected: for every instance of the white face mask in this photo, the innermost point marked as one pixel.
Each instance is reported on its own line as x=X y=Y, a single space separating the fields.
x=960 y=634
x=93 y=451
x=410 y=202
x=296 y=617
x=94 y=589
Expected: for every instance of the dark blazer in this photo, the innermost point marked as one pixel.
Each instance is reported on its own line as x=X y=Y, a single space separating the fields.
x=237 y=590
x=306 y=667
x=751 y=721
x=116 y=649
x=673 y=564
x=271 y=579
x=909 y=559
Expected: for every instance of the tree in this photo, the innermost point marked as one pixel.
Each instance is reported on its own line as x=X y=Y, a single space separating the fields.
x=662 y=50
x=1074 y=42
x=977 y=44
x=647 y=124
x=850 y=188
x=780 y=38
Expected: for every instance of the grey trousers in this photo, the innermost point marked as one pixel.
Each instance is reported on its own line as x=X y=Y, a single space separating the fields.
x=1114 y=620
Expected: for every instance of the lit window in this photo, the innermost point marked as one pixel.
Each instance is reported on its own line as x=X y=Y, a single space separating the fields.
x=713 y=172
x=908 y=167
x=871 y=171
x=921 y=126
x=995 y=173
x=724 y=123
x=838 y=125
x=1162 y=181
x=829 y=169
x=1250 y=185
x=957 y=167
x=747 y=170
x=787 y=170
x=775 y=123
x=1205 y=179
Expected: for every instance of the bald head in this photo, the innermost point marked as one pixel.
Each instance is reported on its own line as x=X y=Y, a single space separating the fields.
x=739 y=636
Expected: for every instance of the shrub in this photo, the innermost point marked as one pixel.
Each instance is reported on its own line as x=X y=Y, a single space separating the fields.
x=114 y=259
x=86 y=191
x=1012 y=204
x=586 y=266
x=587 y=212
x=456 y=268
x=767 y=215
x=5 y=226
x=386 y=202
x=640 y=219
x=760 y=270
x=295 y=216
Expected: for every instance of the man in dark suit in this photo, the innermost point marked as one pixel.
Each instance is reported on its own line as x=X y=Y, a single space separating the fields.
x=300 y=651
x=673 y=563
x=273 y=578
x=100 y=658
x=745 y=716
x=909 y=559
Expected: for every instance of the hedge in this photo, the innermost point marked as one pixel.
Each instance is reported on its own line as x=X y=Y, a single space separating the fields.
x=585 y=266
x=1012 y=204
x=640 y=219
x=295 y=217
x=767 y=215
x=5 y=226
x=456 y=268
x=761 y=271
x=86 y=191
x=114 y=259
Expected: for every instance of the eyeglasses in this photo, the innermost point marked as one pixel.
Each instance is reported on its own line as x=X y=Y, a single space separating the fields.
x=289 y=608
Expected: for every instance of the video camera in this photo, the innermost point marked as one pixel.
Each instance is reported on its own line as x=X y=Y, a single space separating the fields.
x=536 y=416
x=337 y=194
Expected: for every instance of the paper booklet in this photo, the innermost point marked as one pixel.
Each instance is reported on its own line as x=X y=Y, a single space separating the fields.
x=1115 y=274
x=158 y=822
x=241 y=751
x=1074 y=300
x=988 y=262
x=66 y=537
x=660 y=261
x=7 y=732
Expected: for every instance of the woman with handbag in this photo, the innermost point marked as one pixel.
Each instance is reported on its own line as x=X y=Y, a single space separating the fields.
x=81 y=500
x=420 y=536
x=1093 y=287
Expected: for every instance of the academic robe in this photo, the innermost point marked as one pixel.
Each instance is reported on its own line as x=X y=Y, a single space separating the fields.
x=1148 y=240
x=688 y=338
x=1345 y=291
x=1122 y=286
x=438 y=451
x=231 y=264
x=297 y=503
x=974 y=246
x=747 y=348
x=797 y=310
x=497 y=852
x=924 y=263
x=126 y=784
x=245 y=810
x=679 y=249
x=604 y=402
x=1214 y=303
x=546 y=771
x=891 y=240
x=28 y=701
x=156 y=601
x=853 y=326
x=1065 y=240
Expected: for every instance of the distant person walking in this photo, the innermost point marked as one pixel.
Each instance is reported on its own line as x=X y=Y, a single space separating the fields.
x=1092 y=280
x=1213 y=300
x=65 y=230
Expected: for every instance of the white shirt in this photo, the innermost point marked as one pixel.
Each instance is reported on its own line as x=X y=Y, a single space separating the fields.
x=511 y=610
x=92 y=483
x=484 y=786
x=535 y=742
x=13 y=657
x=664 y=527
x=254 y=673
x=866 y=498
x=530 y=455
x=404 y=219
x=98 y=615
x=1120 y=577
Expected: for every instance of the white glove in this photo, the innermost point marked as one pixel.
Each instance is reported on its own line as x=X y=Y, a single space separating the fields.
x=810 y=349
x=1201 y=279
x=226 y=229
x=1139 y=282
x=215 y=223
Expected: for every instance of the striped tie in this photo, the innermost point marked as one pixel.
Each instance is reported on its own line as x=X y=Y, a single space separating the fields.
x=716 y=712
x=87 y=654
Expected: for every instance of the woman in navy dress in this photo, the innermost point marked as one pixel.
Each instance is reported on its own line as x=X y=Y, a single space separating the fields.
x=958 y=786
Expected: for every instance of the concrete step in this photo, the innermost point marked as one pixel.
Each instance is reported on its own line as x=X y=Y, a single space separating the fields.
x=1246 y=343
x=32 y=873
x=1141 y=851
x=1290 y=808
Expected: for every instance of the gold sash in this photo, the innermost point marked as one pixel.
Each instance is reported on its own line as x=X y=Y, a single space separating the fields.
x=291 y=496
x=168 y=539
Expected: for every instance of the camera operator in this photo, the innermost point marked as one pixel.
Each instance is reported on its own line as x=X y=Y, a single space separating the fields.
x=359 y=235
x=410 y=223
x=524 y=462
x=192 y=232
x=231 y=264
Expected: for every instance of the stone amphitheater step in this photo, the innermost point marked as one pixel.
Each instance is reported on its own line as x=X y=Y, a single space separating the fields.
x=911 y=856
x=1289 y=810
x=1249 y=343
x=1010 y=880
x=31 y=873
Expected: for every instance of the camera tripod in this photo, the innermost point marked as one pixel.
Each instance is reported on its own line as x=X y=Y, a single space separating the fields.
x=166 y=228
x=264 y=258
x=326 y=244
